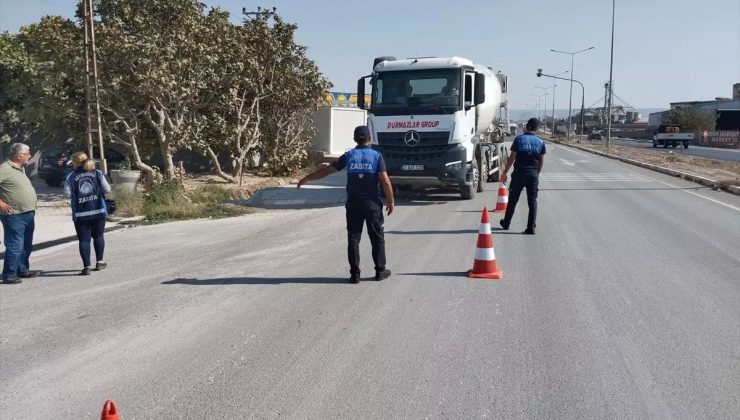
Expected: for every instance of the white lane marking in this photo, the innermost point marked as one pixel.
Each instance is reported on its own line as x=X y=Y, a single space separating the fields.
x=729 y=206
x=594 y=177
x=567 y=163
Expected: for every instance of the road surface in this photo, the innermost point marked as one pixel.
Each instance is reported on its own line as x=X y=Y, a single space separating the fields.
x=624 y=305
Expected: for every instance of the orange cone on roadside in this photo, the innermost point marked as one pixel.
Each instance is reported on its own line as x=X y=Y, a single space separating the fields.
x=503 y=198
x=484 y=266
x=110 y=412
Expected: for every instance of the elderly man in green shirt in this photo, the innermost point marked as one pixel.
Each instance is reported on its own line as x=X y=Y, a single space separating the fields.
x=17 y=212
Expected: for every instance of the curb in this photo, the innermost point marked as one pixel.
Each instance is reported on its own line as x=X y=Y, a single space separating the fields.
x=54 y=242
x=683 y=175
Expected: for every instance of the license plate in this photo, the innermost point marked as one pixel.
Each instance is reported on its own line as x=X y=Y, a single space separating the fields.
x=412 y=167
x=46 y=165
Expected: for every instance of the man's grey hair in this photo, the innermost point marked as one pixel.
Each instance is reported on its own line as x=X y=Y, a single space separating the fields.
x=18 y=148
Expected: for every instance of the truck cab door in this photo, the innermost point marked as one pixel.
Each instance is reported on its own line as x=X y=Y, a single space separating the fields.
x=470 y=118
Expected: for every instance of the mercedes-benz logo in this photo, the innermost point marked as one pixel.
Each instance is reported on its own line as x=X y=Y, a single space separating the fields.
x=411 y=138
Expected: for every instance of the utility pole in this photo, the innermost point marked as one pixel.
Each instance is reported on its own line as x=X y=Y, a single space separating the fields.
x=606 y=99
x=92 y=94
x=259 y=12
x=611 y=86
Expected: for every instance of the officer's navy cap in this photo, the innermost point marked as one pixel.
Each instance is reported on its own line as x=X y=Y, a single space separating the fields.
x=362 y=132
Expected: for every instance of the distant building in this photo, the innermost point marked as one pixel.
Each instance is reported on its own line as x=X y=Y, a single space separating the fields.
x=657 y=118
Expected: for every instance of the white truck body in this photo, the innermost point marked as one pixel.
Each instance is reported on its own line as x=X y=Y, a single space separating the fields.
x=434 y=120
x=334 y=127
x=670 y=136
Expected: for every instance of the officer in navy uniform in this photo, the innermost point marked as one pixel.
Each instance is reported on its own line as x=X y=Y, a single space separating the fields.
x=365 y=172
x=528 y=156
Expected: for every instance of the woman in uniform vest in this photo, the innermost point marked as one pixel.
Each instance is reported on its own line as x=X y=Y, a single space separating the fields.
x=86 y=187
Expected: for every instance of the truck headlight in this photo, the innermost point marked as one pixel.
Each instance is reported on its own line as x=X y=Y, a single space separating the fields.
x=454 y=166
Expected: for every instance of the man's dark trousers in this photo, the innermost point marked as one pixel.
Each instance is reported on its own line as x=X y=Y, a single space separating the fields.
x=369 y=212
x=18 y=238
x=520 y=179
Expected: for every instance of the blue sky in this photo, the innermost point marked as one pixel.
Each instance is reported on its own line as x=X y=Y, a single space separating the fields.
x=664 y=50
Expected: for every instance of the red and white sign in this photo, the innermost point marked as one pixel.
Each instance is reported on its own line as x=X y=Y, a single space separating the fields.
x=412 y=125
x=729 y=139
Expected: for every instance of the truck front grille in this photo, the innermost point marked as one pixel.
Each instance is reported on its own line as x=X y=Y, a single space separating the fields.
x=433 y=138
x=432 y=145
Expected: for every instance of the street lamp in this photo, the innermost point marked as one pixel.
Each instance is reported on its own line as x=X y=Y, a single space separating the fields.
x=583 y=95
x=546 y=89
x=570 y=101
x=539 y=97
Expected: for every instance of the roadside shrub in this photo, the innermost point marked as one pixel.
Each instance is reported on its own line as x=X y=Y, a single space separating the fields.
x=170 y=201
x=129 y=203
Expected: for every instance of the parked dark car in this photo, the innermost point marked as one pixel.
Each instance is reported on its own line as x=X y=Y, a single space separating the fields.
x=594 y=136
x=55 y=162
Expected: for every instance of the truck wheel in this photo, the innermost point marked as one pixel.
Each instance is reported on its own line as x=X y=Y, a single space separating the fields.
x=494 y=177
x=483 y=177
x=685 y=145
x=674 y=145
x=467 y=192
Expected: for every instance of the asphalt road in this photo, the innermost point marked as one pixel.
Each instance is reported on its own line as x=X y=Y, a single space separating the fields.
x=730 y=155
x=624 y=305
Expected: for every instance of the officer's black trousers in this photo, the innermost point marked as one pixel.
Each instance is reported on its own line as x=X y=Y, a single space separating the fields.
x=367 y=212
x=520 y=179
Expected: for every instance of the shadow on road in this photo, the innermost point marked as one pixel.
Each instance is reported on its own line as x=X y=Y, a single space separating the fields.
x=59 y=273
x=430 y=232
x=437 y=274
x=259 y=280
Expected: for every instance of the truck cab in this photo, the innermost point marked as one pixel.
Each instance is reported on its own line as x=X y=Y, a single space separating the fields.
x=434 y=121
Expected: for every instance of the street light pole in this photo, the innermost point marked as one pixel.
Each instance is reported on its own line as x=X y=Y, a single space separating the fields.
x=611 y=69
x=583 y=91
x=570 y=101
x=546 y=89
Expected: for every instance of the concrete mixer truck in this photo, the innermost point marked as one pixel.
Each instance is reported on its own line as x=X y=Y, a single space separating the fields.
x=437 y=121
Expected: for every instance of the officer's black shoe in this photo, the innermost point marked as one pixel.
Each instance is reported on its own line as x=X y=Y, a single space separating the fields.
x=529 y=231
x=382 y=274
x=354 y=278
x=12 y=280
x=504 y=224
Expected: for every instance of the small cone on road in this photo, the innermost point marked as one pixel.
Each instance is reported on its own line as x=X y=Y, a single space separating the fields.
x=484 y=266
x=503 y=198
x=110 y=412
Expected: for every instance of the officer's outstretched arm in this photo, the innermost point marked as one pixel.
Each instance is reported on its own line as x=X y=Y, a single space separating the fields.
x=326 y=170
x=385 y=181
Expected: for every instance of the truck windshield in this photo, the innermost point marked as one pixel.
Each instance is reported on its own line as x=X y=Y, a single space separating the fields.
x=417 y=92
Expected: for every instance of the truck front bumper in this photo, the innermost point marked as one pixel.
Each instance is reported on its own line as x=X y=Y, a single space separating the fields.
x=444 y=167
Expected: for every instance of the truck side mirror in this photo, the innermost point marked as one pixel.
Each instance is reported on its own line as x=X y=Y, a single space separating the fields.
x=468 y=91
x=480 y=88
x=361 y=93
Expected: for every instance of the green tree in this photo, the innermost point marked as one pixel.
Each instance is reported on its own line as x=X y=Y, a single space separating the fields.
x=691 y=120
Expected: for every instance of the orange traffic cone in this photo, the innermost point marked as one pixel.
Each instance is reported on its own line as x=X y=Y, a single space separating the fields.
x=503 y=198
x=485 y=266
x=110 y=412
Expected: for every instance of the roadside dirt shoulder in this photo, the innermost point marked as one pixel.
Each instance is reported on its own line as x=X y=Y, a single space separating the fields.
x=725 y=173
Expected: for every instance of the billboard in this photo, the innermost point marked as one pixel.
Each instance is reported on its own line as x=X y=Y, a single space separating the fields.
x=344 y=98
